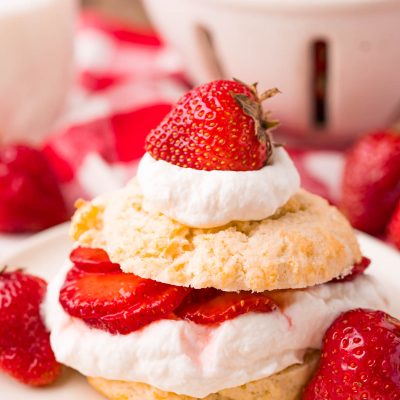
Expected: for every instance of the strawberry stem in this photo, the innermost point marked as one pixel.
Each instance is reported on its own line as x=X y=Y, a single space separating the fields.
x=269 y=93
x=253 y=108
x=3 y=270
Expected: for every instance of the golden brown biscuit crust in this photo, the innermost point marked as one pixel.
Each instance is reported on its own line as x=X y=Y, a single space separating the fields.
x=306 y=242
x=286 y=385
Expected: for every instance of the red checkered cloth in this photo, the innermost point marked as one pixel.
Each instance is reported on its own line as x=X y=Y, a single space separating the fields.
x=127 y=81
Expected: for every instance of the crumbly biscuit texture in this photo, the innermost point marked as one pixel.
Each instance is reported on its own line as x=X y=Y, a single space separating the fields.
x=286 y=385
x=306 y=242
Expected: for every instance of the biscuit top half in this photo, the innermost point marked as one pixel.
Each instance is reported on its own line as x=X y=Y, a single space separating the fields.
x=304 y=243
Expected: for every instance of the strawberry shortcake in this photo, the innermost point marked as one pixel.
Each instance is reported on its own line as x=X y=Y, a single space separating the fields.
x=212 y=274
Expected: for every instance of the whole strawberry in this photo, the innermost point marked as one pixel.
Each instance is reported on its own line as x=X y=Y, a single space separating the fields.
x=216 y=126
x=394 y=227
x=25 y=351
x=360 y=359
x=30 y=196
x=371 y=181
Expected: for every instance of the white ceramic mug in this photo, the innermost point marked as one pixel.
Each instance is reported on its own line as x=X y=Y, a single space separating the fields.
x=276 y=42
x=36 y=61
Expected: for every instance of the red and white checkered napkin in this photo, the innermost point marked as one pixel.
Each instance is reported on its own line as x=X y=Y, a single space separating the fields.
x=126 y=82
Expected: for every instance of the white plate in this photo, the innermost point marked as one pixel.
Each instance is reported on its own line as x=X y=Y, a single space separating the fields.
x=44 y=253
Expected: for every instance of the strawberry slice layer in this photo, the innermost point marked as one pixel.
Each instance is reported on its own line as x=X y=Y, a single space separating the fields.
x=92 y=260
x=159 y=305
x=98 y=292
x=94 y=295
x=222 y=306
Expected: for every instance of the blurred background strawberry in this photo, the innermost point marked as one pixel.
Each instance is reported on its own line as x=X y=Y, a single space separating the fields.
x=30 y=195
x=371 y=183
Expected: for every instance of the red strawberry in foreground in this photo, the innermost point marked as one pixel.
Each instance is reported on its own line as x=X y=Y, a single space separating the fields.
x=30 y=196
x=394 y=227
x=211 y=306
x=371 y=181
x=25 y=351
x=360 y=359
x=216 y=126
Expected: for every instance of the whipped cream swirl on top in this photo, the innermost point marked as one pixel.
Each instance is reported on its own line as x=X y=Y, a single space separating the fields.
x=206 y=199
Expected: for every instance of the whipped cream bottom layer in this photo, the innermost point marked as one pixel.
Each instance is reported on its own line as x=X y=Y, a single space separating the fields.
x=196 y=360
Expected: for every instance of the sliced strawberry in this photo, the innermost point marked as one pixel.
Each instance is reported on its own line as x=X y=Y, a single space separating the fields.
x=223 y=306
x=25 y=351
x=92 y=260
x=357 y=270
x=97 y=295
x=160 y=304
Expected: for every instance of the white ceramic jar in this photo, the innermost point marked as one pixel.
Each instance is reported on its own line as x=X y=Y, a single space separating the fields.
x=276 y=42
x=36 y=59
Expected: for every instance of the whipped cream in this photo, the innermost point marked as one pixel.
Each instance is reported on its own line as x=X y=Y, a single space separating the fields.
x=206 y=199
x=196 y=360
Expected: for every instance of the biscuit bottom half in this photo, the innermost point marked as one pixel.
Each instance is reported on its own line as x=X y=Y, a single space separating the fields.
x=285 y=385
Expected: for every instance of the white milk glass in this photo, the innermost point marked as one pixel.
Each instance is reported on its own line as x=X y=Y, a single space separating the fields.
x=36 y=60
